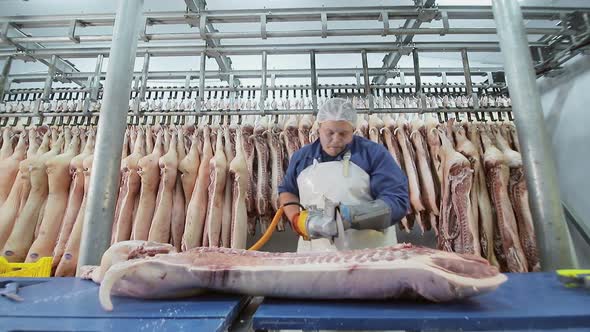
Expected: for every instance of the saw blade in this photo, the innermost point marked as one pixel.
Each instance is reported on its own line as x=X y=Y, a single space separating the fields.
x=340 y=241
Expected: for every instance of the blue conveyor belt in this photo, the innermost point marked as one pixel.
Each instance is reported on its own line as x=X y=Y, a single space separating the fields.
x=525 y=301
x=73 y=303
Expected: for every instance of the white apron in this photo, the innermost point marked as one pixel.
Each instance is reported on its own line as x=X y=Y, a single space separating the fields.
x=340 y=182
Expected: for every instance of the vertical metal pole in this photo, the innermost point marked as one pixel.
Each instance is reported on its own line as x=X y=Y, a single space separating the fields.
x=49 y=79
x=144 y=75
x=368 y=93
x=97 y=74
x=136 y=84
x=314 y=83
x=94 y=84
x=490 y=78
x=104 y=182
x=417 y=71
x=468 y=82
x=232 y=89
x=140 y=97
x=553 y=238
x=187 y=83
x=38 y=104
x=135 y=88
x=201 y=100
x=4 y=77
x=418 y=79
x=263 y=84
x=467 y=71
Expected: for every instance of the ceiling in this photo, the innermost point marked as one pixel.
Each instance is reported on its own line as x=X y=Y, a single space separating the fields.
x=57 y=7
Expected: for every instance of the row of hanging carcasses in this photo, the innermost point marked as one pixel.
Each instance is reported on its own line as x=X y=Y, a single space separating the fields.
x=176 y=196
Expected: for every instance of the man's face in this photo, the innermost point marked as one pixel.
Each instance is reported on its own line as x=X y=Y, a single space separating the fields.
x=334 y=135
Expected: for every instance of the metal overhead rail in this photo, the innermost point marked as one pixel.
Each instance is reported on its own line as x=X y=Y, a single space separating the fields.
x=4 y=77
x=392 y=59
x=62 y=67
x=208 y=38
x=290 y=15
x=279 y=73
x=265 y=34
x=204 y=20
x=327 y=48
x=264 y=111
x=224 y=62
x=320 y=87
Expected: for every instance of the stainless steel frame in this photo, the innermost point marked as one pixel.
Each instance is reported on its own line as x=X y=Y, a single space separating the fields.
x=104 y=181
x=554 y=241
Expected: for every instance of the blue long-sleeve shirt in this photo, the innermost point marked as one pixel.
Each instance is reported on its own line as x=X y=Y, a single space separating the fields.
x=387 y=180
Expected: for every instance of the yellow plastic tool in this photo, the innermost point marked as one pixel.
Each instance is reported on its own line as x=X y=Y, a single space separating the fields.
x=574 y=278
x=39 y=269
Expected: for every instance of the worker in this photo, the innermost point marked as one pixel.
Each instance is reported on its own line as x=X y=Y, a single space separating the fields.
x=347 y=176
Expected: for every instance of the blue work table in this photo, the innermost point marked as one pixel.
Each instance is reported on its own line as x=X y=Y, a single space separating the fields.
x=526 y=301
x=57 y=304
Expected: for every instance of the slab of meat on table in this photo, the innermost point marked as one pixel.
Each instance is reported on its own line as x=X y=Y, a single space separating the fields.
x=401 y=271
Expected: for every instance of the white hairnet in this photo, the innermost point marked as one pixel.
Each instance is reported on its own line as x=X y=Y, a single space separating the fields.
x=337 y=109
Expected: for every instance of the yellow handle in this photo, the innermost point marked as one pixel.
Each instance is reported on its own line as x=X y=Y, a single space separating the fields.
x=269 y=231
x=572 y=272
x=301 y=224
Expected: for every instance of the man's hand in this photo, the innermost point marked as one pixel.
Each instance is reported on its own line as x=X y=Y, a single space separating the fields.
x=368 y=215
x=290 y=210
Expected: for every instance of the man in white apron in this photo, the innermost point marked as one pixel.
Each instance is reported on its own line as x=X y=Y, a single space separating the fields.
x=351 y=172
x=358 y=175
